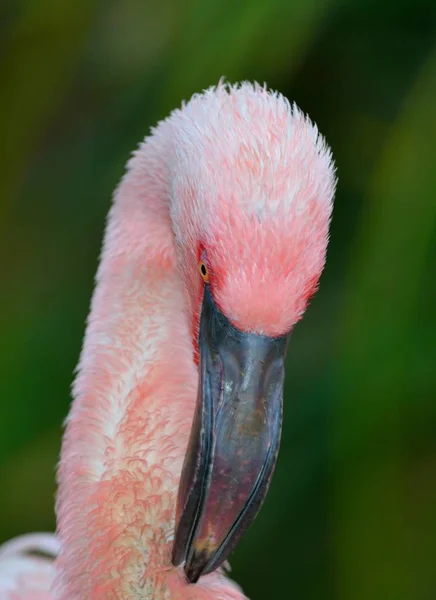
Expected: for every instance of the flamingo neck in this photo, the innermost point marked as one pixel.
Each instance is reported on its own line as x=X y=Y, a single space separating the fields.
x=134 y=398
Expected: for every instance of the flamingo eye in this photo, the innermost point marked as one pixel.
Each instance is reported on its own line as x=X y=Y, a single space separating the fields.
x=204 y=272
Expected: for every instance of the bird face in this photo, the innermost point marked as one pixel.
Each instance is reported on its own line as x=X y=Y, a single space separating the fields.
x=250 y=206
x=242 y=320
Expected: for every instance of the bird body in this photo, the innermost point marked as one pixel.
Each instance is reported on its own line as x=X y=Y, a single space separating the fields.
x=27 y=577
x=238 y=182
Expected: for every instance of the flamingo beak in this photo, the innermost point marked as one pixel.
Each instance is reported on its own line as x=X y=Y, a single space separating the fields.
x=234 y=440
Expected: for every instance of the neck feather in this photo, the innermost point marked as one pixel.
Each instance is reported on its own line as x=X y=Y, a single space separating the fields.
x=134 y=398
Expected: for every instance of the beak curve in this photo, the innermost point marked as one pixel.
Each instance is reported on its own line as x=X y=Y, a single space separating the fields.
x=234 y=440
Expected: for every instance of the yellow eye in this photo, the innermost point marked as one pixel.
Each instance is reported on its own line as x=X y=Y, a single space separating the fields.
x=203 y=271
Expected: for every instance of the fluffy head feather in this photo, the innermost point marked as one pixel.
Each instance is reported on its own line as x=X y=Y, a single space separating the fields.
x=252 y=186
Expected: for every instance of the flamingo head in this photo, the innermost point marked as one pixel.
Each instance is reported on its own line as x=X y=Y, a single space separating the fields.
x=251 y=200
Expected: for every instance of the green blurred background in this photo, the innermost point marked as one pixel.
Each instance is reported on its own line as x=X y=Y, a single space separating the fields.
x=352 y=510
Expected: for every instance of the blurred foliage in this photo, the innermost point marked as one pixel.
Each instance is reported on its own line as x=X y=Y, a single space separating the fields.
x=352 y=511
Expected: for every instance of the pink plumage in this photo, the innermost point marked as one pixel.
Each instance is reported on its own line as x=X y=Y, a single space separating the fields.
x=25 y=575
x=236 y=176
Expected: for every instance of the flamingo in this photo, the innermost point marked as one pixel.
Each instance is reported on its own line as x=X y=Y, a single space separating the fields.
x=215 y=242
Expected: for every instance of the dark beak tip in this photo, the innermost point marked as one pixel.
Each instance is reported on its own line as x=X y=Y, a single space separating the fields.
x=196 y=565
x=192 y=575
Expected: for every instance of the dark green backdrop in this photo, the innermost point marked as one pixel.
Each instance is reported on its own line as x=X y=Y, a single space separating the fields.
x=352 y=510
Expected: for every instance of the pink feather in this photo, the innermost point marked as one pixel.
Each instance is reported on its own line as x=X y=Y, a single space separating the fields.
x=243 y=175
